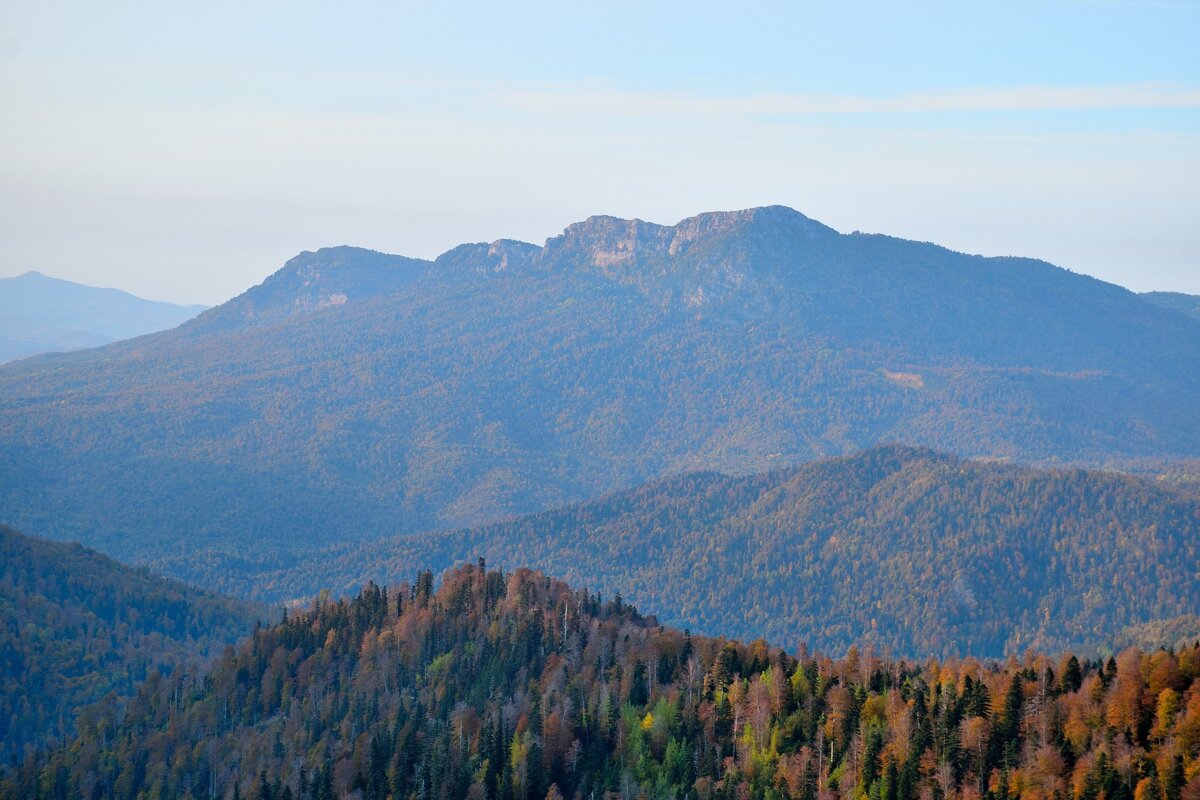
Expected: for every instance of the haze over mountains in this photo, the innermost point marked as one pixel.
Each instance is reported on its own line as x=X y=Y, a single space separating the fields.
x=40 y=314
x=748 y=423
x=913 y=551
x=354 y=395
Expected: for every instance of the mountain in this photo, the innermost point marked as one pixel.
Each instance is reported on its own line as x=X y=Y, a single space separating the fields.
x=353 y=394
x=40 y=314
x=915 y=552
x=77 y=628
x=517 y=687
x=312 y=282
x=1173 y=633
x=1176 y=301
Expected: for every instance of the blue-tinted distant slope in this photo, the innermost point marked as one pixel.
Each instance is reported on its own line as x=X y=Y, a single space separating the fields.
x=1177 y=301
x=77 y=628
x=917 y=552
x=353 y=395
x=40 y=314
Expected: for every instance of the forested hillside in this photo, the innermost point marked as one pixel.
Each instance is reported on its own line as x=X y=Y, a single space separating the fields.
x=77 y=628
x=1172 y=633
x=517 y=687
x=355 y=395
x=917 y=552
x=1177 y=301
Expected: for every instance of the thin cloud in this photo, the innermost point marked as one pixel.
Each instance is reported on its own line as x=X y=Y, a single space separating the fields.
x=589 y=102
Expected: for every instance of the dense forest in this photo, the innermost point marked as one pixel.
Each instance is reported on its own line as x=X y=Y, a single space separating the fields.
x=1172 y=632
x=77 y=628
x=518 y=687
x=355 y=395
x=917 y=552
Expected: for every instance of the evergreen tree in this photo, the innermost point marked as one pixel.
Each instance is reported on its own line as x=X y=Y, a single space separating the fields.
x=1072 y=677
x=1176 y=779
x=870 y=767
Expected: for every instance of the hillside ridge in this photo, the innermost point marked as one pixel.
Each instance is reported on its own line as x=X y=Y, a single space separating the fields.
x=357 y=395
x=77 y=628
x=916 y=552
x=517 y=686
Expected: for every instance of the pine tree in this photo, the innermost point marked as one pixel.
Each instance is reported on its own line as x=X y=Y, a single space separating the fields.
x=888 y=789
x=1110 y=671
x=638 y=693
x=1008 y=728
x=870 y=767
x=810 y=789
x=1072 y=678
x=1176 y=779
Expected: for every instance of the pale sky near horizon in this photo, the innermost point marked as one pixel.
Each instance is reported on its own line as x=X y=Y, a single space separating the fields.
x=184 y=151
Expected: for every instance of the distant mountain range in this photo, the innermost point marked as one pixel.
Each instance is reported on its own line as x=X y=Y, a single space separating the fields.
x=40 y=314
x=1177 y=301
x=77 y=628
x=913 y=551
x=354 y=395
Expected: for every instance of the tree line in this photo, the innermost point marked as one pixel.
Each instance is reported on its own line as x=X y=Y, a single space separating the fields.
x=517 y=687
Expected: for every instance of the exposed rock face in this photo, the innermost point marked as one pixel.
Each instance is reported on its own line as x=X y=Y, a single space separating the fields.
x=503 y=255
x=703 y=261
x=312 y=281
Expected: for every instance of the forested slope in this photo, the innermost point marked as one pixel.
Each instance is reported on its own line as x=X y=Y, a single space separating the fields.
x=77 y=628
x=517 y=687
x=1177 y=301
x=355 y=394
x=917 y=552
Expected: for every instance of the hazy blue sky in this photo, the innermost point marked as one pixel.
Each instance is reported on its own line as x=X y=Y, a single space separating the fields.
x=183 y=151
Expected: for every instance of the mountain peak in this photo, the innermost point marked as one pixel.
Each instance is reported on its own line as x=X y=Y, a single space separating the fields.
x=773 y=225
x=709 y=222
x=41 y=314
x=482 y=258
x=700 y=262
x=604 y=242
x=341 y=255
x=315 y=280
x=773 y=214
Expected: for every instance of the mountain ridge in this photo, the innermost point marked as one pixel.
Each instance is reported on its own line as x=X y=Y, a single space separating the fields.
x=504 y=378
x=915 y=552
x=42 y=314
x=312 y=281
x=667 y=272
x=1188 y=304
x=517 y=686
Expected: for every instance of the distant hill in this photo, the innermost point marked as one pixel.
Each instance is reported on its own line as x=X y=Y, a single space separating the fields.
x=77 y=628
x=1175 y=633
x=913 y=551
x=1177 y=301
x=354 y=395
x=518 y=687
x=40 y=314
